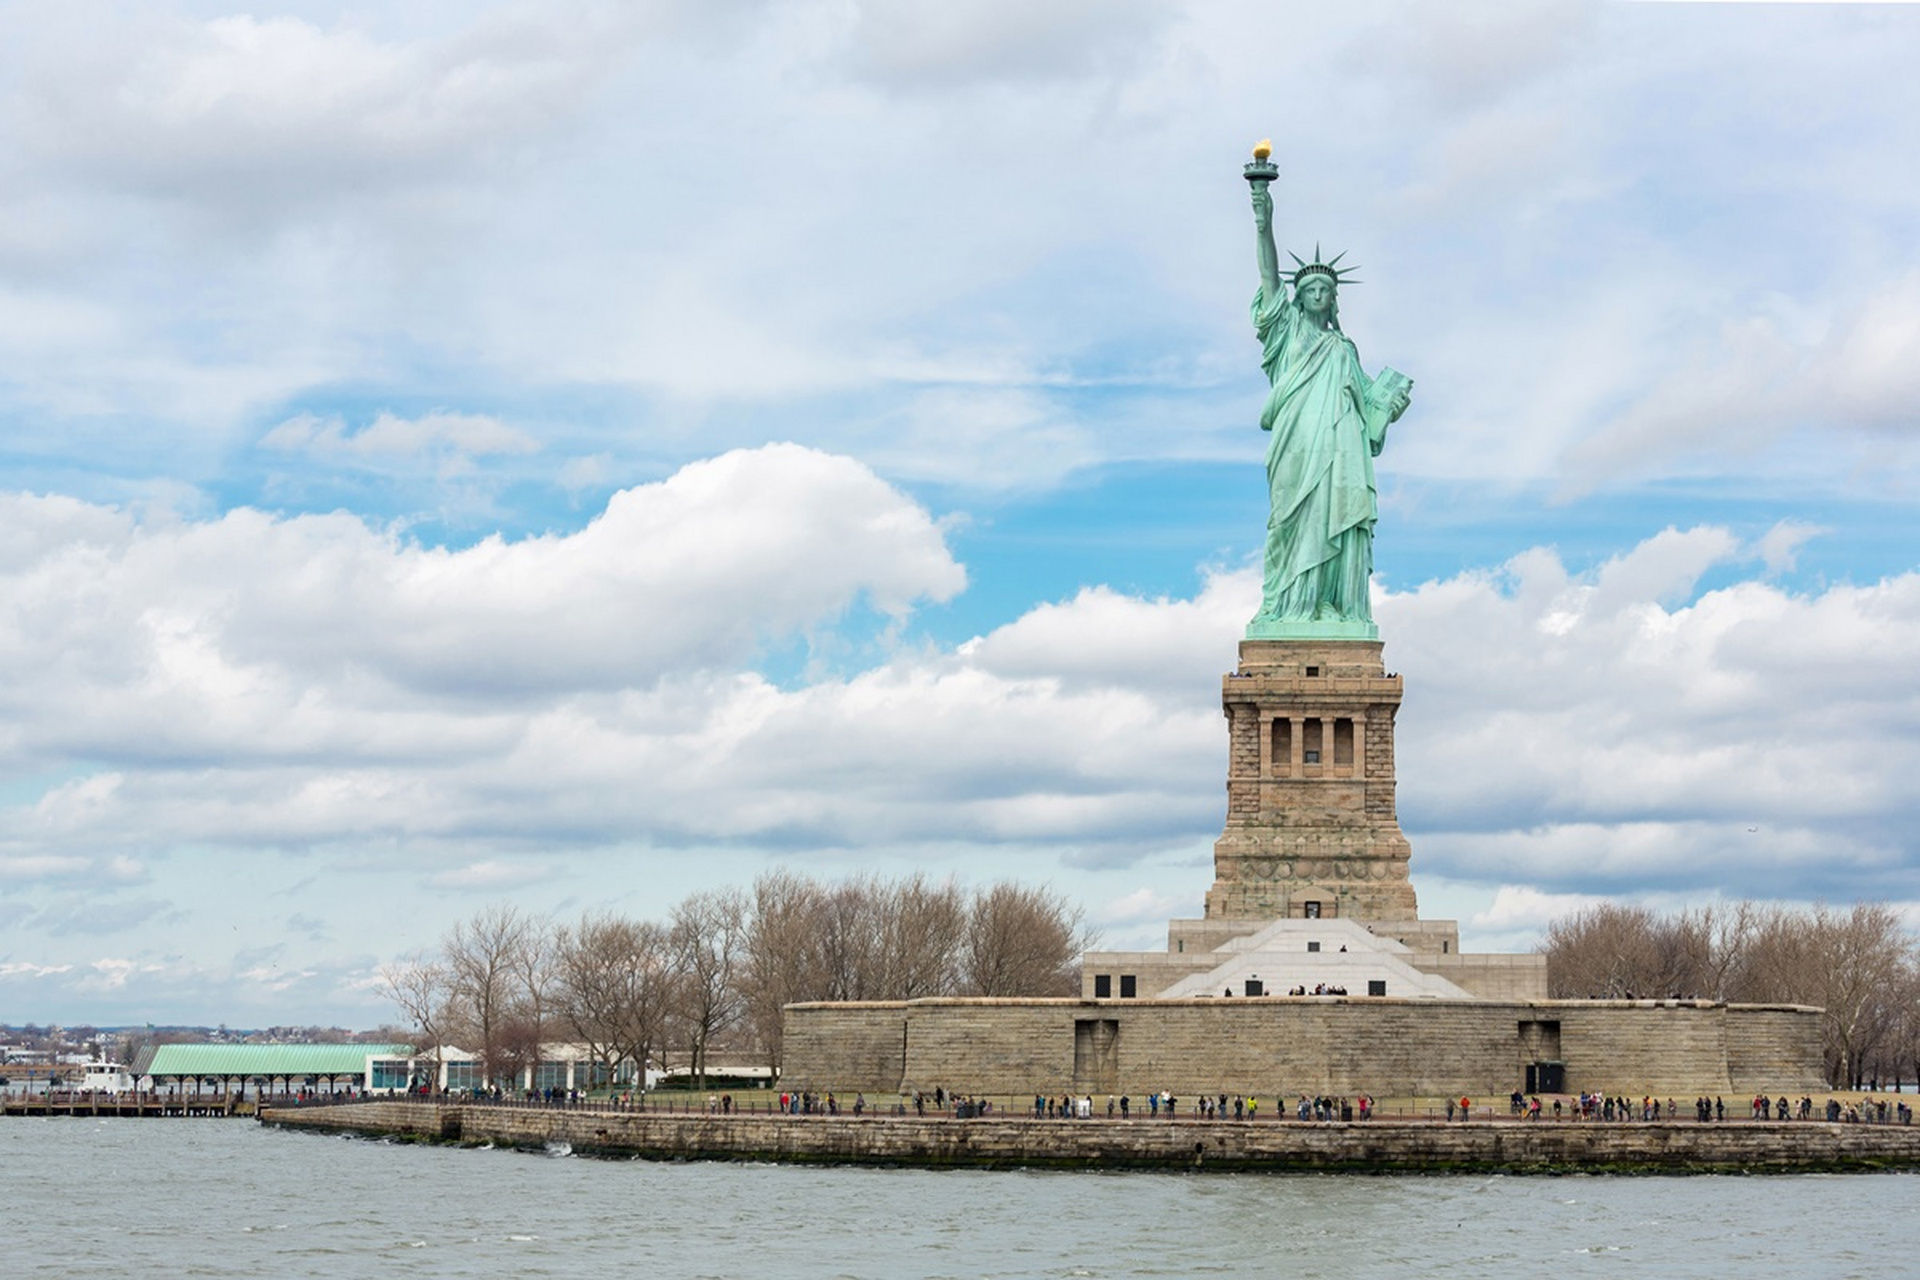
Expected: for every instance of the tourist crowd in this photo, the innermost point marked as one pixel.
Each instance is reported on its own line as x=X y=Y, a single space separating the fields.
x=1597 y=1106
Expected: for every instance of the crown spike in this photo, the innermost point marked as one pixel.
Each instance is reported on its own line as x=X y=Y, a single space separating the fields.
x=1332 y=270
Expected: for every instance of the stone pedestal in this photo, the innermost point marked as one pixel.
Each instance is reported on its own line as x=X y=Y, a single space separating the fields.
x=1311 y=827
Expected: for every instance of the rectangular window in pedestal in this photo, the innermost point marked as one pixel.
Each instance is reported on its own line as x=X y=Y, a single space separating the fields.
x=1343 y=742
x=1311 y=910
x=1128 y=986
x=1282 y=749
x=1102 y=986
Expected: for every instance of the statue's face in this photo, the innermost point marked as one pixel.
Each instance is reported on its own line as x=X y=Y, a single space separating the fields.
x=1316 y=296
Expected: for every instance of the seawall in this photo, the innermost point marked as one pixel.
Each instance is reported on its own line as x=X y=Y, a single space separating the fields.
x=1373 y=1146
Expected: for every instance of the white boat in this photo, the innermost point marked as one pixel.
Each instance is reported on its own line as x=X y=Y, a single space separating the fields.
x=105 y=1077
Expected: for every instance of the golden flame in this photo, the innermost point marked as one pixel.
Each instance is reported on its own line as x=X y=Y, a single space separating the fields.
x=1262 y=149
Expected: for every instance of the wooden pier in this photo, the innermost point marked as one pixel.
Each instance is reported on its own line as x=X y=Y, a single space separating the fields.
x=124 y=1104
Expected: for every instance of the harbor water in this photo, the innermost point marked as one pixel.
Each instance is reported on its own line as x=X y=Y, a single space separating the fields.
x=85 y=1196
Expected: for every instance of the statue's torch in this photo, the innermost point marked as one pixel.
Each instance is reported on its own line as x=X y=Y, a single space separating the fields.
x=1263 y=168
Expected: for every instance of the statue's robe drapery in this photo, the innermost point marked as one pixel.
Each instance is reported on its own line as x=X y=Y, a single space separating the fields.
x=1319 y=469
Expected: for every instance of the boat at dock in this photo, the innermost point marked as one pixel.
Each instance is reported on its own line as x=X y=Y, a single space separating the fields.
x=106 y=1076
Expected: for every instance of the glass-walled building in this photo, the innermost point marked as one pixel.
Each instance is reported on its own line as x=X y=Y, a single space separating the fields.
x=561 y=1067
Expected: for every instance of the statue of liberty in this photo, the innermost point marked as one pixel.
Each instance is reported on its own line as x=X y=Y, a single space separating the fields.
x=1327 y=420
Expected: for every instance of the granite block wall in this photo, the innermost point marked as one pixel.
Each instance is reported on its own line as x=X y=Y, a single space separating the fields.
x=1378 y=1145
x=1286 y=1046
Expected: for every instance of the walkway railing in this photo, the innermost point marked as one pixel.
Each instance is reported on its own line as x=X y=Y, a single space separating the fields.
x=1892 y=1110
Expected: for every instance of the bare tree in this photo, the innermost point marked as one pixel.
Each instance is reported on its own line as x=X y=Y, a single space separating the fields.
x=1853 y=965
x=1611 y=951
x=1898 y=1059
x=612 y=984
x=848 y=938
x=1022 y=941
x=503 y=981
x=586 y=981
x=1776 y=955
x=423 y=990
x=483 y=958
x=707 y=940
x=861 y=939
x=923 y=927
x=1858 y=966
x=516 y=1048
x=1716 y=939
x=779 y=960
x=532 y=968
x=646 y=995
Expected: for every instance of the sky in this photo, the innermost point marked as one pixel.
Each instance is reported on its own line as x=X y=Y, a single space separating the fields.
x=578 y=454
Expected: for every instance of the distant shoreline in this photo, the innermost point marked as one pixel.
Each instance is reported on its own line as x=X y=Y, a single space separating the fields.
x=1375 y=1146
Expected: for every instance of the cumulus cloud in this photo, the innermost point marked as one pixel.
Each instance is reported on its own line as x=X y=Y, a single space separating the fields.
x=1583 y=726
x=221 y=218
x=1525 y=907
x=1623 y=730
x=213 y=215
x=1102 y=638
x=980 y=246
x=1779 y=548
x=303 y=681
x=277 y=632
x=1566 y=735
x=1143 y=908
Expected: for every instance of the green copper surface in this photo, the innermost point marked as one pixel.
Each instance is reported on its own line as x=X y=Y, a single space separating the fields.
x=1311 y=629
x=1326 y=421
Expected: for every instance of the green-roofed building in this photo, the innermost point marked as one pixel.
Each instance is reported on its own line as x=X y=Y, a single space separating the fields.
x=371 y=1068
x=288 y=1066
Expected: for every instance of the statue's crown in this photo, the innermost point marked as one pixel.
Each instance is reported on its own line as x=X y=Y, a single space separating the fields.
x=1331 y=270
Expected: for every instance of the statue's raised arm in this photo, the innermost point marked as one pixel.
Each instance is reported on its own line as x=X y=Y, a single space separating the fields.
x=1260 y=175
x=1328 y=419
